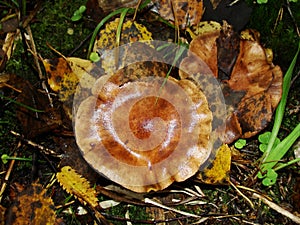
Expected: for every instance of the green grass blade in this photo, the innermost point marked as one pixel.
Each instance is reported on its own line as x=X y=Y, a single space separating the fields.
x=21 y=104
x=277 y=153
x=97 y=29
x=178 y=53
x=119 y=29
x=281 y=106
x=105 y=19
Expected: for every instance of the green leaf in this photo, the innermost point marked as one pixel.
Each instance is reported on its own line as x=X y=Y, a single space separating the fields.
x=4 y=158
x=270 y=178
x=78 y=13
x=76 y=17
x=262 y=1
x=94 y=57
x=240 y=143
x=264 y=140
x=279 y=151
x=281 y=106
x=263 y=147
x=82 y=9
x=265 y=137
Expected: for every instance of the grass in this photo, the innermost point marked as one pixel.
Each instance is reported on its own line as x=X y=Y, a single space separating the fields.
x=272 y=155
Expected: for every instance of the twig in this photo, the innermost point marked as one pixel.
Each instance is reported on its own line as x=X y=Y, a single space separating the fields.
x=45 y=150
x=111 y=217
x=152 y=202
x=244 y=196
x=277 y=208
x=4 y=184
x=37 y=64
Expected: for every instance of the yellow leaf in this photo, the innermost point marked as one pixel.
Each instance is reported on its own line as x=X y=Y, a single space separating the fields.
x=78 y=186
x=32 y=206
x=64 y=75
x=131 y=32
x=218 y=171
x=203 y=28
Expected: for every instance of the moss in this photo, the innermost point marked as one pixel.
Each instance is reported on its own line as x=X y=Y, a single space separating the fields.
x=279 y=35
x=52 y=25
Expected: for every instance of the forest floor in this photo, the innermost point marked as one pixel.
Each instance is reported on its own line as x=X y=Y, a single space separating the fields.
x=41 y=143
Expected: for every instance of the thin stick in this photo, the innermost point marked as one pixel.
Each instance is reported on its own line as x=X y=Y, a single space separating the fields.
x=4 y=184
x=277 y=208
x=136 y=9
x=152 y=202
x=45 y=150
x=244 y=196
x=37 y=64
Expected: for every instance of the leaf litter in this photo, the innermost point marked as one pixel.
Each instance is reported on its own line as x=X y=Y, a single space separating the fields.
x=180 y=207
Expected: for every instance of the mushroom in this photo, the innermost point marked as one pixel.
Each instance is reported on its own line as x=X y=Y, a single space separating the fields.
x=139 y=134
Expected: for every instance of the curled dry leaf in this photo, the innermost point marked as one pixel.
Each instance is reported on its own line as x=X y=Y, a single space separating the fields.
x=78 y=186
x=32 y=206
x=251 y=85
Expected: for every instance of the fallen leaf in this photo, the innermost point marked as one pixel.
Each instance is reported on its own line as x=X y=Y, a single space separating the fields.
x=218 y=171
x=185 y=13
x=131 y=32
x=251 y=84
x=78 y=186
x=32 y=206
x=64 y=75
x=108 y=5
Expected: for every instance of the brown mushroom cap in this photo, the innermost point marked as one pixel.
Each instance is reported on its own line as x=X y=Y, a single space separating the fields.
x=142 y=140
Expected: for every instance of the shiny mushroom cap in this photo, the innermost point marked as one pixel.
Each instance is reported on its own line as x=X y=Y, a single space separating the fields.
x=140 y=135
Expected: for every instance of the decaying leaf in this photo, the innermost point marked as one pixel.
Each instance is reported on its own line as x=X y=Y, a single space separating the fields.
x=32 y=206
x=218 y=171
x=251 y=85
x=131 y=32
x=108 y=5
x=184 y=13
x=78 y=186
x=64 y=75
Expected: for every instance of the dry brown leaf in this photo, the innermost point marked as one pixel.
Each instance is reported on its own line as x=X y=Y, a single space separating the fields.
x=185 y=13
x=251 y=84
x=78 y=186
x=109 y=5
x=32 y=206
